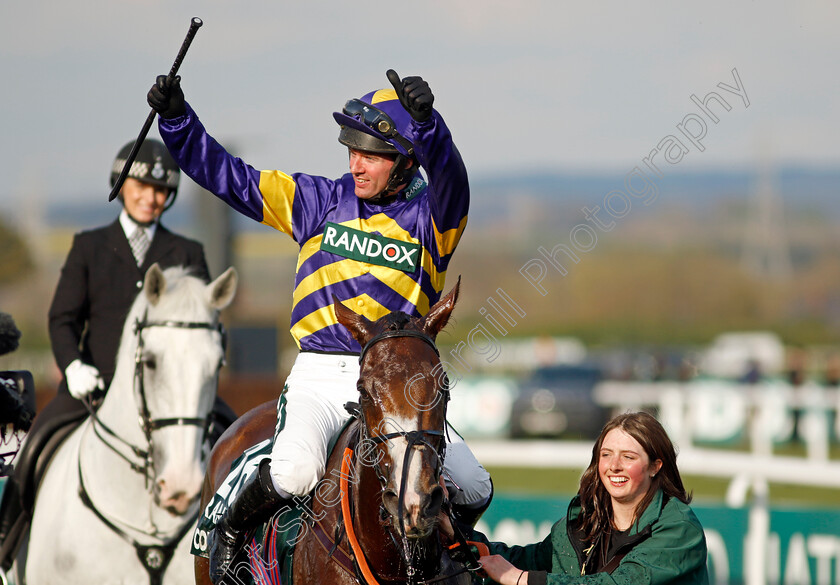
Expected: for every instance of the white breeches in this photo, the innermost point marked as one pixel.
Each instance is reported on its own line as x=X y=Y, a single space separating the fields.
x=311 y=411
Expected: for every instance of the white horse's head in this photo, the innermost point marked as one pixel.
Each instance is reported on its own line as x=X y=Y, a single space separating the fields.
x=172 y=365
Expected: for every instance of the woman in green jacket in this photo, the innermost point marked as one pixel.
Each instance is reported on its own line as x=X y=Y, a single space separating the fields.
x=629 y=524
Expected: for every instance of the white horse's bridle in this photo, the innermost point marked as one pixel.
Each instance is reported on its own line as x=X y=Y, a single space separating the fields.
x=154 y=558
x=148 y=424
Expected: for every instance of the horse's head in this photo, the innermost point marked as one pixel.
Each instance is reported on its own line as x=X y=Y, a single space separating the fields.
x=172 y=332
x=403 y=393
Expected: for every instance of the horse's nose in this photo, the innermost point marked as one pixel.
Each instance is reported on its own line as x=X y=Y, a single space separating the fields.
x=413 y=505
x=176 y=502
x=418 y=515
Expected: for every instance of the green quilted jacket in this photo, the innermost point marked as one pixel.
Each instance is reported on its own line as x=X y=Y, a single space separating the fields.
x=667 y=546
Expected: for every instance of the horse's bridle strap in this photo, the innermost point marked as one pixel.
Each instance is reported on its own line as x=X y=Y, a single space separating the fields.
x=149 y=424
x=397 y=333
x=138 y=325
x=413 y=437
x=180 y=421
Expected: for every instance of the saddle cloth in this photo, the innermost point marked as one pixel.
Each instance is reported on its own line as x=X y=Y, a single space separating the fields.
x=267 y=559
x=274 y=555
x=240 y=471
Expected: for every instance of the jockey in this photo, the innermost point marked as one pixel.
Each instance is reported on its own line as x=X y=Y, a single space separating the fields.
x=379 y=238
x=100 y=279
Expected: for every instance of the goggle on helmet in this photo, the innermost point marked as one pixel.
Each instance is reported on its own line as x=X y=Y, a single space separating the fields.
x=376 y=122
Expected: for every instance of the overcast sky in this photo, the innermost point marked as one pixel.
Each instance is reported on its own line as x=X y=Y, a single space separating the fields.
x=534 y=84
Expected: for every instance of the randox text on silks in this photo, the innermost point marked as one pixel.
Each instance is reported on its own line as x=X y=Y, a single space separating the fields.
x=372 y=248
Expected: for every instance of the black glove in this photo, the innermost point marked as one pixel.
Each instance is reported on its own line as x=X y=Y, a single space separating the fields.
x=415 y=95
x=166 y=98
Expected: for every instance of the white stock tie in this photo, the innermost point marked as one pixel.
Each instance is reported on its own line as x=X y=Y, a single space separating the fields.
x=139 y=242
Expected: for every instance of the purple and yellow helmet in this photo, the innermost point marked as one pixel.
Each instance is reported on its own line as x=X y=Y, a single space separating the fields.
x=376 y=122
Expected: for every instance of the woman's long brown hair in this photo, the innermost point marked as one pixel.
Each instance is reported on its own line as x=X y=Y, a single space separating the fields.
x=596 y=504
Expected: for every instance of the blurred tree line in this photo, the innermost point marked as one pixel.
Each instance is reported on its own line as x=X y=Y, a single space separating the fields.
x=16 y=261
x=665 y=277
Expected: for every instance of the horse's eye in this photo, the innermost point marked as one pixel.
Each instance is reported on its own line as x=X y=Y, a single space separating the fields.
x=150 y=362
x=360 y=386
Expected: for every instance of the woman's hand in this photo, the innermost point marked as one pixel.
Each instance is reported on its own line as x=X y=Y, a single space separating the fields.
x=501 y=571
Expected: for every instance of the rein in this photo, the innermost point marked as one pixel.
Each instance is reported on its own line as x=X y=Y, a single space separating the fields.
x=472 y=564
x=154 y=558
x=358 y=553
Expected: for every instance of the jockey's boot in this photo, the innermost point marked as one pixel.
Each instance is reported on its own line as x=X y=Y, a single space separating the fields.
x=469 y=514
x=254 y=505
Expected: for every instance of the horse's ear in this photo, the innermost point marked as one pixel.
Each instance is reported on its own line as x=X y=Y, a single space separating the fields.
x=438 y=316
x=154 y=285
x=221 y=291
x=357 y=325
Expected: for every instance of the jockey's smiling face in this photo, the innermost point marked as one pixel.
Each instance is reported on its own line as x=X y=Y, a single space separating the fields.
x=370 y=172
x=143 y=202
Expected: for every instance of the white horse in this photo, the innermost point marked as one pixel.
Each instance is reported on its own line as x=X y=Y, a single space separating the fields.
x=120 y=494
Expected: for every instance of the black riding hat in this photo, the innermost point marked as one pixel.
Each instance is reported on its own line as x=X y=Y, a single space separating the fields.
x=153 y=165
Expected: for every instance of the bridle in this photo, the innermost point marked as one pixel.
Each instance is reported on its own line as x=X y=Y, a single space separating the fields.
x=155 y=558
x=389 y=333
x=148 y=424
x=415 y=439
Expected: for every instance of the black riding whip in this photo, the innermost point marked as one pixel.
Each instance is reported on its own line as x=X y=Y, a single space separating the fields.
x=195 y=24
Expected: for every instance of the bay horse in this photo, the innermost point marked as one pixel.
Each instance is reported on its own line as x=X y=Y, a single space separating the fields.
x=374 y=515
x=121 y=493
